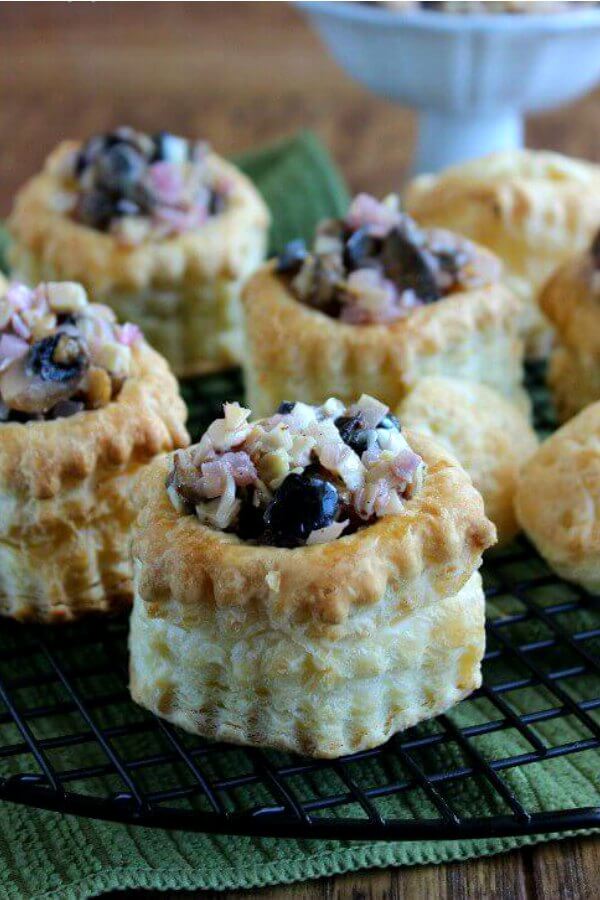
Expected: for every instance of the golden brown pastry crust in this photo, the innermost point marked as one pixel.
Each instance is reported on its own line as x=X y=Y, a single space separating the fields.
x=325 y=649
x=532 y=208
x=571 y=301
x=67 y=496
x=489 y=436
x=573 y=381
x=441 y=535
x=199 y=267
x=229 y=678
x=296 y=351
x=558 y=499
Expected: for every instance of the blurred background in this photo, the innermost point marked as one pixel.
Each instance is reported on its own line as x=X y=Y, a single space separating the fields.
x=238 y=74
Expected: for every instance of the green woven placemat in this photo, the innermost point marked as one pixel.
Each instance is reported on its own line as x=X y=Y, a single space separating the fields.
x=45 y=854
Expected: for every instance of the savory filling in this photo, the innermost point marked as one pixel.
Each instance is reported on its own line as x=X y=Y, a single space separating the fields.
x=138 y=186
x=306 y=475
x=59 y=354
x=377 y=265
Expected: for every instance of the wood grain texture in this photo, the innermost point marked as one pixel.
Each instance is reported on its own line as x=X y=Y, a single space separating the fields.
x=243 y=74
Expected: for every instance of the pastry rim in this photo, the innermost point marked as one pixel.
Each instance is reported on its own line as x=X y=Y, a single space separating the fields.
x=443 y=529
x=39 y=460
x=81 y=253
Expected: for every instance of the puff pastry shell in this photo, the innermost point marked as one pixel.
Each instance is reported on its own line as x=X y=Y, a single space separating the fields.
x=68 y=497
x=571 y=301
x=489 y=436
x=296 y=351
x=326 y=649
x=182 y=291
x=558 y=499
x=532 y=208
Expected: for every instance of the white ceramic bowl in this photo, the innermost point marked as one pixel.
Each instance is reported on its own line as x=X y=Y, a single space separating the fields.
x=470 y=77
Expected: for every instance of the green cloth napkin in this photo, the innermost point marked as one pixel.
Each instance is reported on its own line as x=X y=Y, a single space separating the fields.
x=43 y=854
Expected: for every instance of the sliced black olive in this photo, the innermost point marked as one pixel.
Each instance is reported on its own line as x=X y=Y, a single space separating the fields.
x=216 y=203
x=60 y=357
x=250 y=522
x=408 y=267
x=360 y=250
x=595 y=250
x=170 y=148
x=96 y=209
x=291 y=259
x=119 y=168
x=285 y=407
x=89 y=152
x=65 y=408
x=389 y=422
x=302 y=503
x=353 y=432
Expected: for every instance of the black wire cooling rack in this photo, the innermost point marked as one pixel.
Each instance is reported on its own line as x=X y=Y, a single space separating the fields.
x=500 y=763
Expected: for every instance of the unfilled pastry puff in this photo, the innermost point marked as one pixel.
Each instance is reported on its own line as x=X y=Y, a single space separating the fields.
x=489 y=436
x=175 y=272
x=558 y=499
x=571 y=301
x=297 y=348
x=68 y=473
x=325 y=648
x=532 y=208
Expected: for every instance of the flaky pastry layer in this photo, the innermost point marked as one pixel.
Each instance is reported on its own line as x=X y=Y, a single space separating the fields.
x=532 y=208
x=68 y=496
x=236 y=676
x=186 y=286
x=489 y=436
x=558 y=499
x=296 y=351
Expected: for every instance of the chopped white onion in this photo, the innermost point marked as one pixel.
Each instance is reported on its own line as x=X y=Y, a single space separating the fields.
x=329 y=533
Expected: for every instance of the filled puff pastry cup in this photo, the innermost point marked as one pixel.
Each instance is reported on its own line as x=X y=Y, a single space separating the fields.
x=296 y=349
x=571 y=301
x=558 y=499
x=322 y=649
x=181 y=287
x=68 y=493
x=532 y=208
x=490 y=437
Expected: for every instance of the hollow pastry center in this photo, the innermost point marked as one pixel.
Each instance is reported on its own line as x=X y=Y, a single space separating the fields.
x=59 y=354
x=376 y=265
x=138 y=186
x=308 y=474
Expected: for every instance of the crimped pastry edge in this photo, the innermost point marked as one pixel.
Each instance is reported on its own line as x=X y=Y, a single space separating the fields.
x=431 y=548
x=558 y=498
x=572 y=305
x=490 y=436
x=39 y=460
x=295 y=351
x=64 y=249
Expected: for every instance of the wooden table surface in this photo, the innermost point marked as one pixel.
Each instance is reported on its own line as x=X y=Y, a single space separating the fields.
x=242 y=74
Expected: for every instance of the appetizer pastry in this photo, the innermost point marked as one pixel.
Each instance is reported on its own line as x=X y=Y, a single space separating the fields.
x=160 y=228
x=558 y=499
x=84 y=404
x=376 y=304
x=532 y=208
x=571 y=301
x=307 y=581
x=489 y=436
